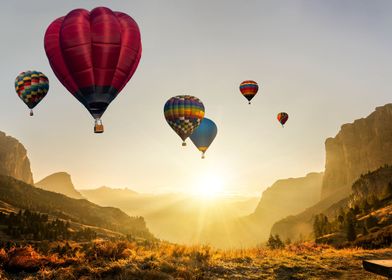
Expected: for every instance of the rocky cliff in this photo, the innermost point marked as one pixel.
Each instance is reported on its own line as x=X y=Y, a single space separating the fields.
x=60 y=183
x=358 y=148
x=13 y=159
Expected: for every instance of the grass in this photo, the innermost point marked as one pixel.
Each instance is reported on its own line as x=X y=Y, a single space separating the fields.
x=159 y=260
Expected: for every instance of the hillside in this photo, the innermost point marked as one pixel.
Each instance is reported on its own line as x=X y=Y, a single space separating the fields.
x=24 y=196
x=359 y=147
x=59 y=182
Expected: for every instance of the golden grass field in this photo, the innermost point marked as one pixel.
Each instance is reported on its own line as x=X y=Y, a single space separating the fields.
x=159 y=260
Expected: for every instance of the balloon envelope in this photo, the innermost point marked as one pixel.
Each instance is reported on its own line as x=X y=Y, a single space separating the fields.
x=203 y=136
x=282 y=118
x=249 y=89
x=94 y=54
x=31 y=87
x=184 y=114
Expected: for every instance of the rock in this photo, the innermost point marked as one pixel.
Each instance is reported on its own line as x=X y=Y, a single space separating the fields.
x=362 y=146
x=61 y=183
x=13 y=159
x=358 y=148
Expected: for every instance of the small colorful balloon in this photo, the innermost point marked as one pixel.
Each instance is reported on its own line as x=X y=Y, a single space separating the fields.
x=31 y=87
x=282 y=118
x=184 y=113
x=249 y=89
x=203 y=136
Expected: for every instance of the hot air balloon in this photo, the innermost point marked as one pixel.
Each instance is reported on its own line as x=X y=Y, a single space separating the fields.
x=249 y=89
x=184 y=114
x=282 y=118
x=94 y=54
x=203 y=136
x=31 y=87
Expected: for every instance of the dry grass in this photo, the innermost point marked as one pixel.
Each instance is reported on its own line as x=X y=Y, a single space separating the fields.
x=145 y=260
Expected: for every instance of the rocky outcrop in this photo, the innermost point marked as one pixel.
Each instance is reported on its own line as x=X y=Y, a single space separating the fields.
x=358 y=148
x=60 y=183
x=13 y=159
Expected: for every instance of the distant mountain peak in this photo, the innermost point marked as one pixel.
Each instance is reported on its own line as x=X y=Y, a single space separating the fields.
x=60 y=182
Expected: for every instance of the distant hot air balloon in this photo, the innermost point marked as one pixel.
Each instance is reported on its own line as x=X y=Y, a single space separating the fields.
x=282 y=118
x=203 y=136
x=31 y=87
x=94 y=54
x=184 y=114
x=249 y=89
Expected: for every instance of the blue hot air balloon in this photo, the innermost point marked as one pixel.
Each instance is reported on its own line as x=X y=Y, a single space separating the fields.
x=203 y=136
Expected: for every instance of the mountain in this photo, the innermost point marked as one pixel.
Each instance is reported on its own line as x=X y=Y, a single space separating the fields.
x=20 y=195
x=103 y=193
x=359 y=147
x=283 y=197
x=174 y=217
x=13 y=159
x=60 y=183
x=277 y=201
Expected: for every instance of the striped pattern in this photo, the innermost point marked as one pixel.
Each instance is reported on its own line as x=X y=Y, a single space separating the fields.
x=31 y=87
x=184 y=113
x=282 y=118
x=249 y=89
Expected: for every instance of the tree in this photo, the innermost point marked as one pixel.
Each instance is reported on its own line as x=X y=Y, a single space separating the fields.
x=274 y=242
x=350 y=227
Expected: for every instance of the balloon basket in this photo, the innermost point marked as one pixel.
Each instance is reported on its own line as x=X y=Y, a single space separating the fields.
x=184 y=144
x=98 y=127
x=31 y=113
x=203 y=156
x=249 y=102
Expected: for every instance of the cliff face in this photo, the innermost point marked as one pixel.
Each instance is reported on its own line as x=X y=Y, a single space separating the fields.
x=358 y=148
x=13 y=159
x=60 y=183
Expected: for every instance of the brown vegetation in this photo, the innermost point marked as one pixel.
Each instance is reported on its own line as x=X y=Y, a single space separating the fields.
x=142 y=259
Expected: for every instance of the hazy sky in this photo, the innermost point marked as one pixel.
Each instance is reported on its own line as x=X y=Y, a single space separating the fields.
x=324 y=62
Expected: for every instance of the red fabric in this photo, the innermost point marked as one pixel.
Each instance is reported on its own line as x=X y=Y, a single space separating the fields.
x=97 y=48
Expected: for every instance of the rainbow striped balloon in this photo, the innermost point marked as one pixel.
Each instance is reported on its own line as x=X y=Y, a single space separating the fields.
x=31 y=87
x=184 y=113
x=249 y=89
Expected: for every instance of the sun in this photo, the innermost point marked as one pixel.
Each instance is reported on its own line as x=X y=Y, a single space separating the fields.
x=209 y=186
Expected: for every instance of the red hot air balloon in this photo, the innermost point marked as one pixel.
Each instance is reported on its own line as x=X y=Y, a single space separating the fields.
x=94 y=54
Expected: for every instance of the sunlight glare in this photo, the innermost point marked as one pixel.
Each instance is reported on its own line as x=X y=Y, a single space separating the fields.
x=210 y=186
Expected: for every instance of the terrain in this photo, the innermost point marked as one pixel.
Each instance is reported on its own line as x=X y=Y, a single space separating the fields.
x=358 y=148
x=16 y=195
x=151 y=260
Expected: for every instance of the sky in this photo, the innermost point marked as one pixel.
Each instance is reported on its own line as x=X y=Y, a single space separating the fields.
x=325 y=63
